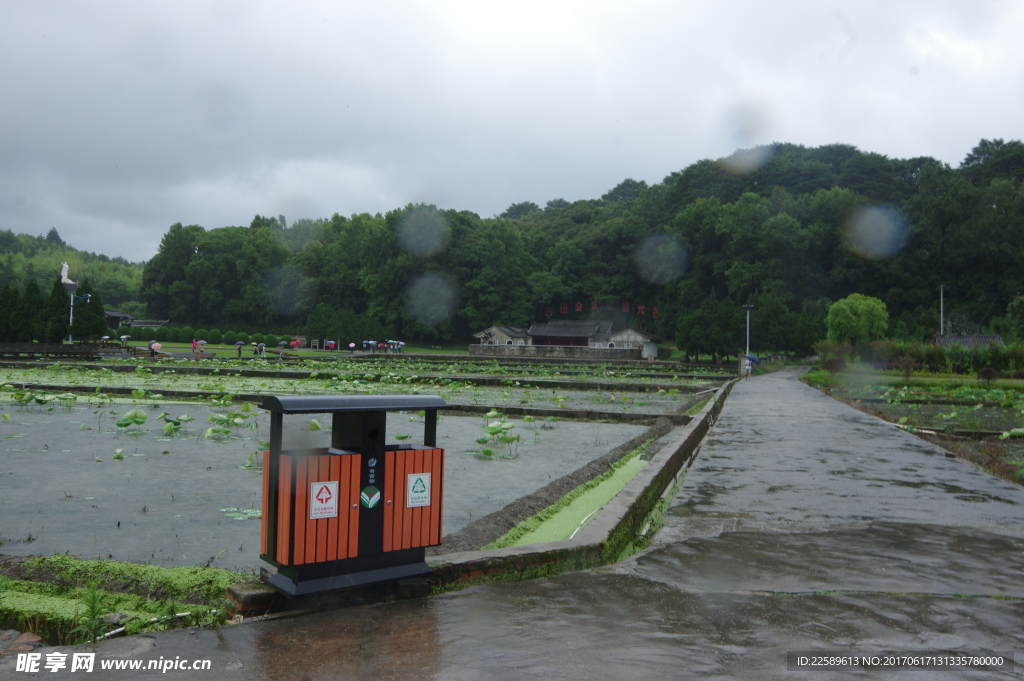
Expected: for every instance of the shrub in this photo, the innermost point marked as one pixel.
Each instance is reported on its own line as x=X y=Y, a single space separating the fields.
x=880 y=351
x=826 y=349
x=256 y=338
x=907 y=366
x=201 y=334
x=186 y=334
x=230 y=337
x=834 y=365
x=214 y=336
x=242 y=336
x=988 y=374
x=161 y=334
x=271 y=340
x=122 y=331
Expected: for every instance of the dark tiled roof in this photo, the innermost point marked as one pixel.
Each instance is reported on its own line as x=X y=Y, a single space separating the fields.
x=514 y=331
x=564 y=328
x=969 y=342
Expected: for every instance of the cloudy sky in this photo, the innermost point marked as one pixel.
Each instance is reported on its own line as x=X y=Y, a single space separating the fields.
x=118 y=119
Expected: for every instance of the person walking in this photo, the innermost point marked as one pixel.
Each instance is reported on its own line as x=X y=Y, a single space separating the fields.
x=747 y=366
x=261 y=350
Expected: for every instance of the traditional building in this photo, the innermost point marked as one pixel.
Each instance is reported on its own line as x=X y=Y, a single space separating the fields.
x=559 y=335
x=503 y=335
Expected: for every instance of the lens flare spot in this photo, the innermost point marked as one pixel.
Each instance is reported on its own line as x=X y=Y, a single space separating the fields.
x=431 y=299
x=661 y=259
x=745 y=161
x=875 y=233
x=422 y=232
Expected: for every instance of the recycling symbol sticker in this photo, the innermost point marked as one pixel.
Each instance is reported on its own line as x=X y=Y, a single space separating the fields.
x=417 y=490
x=323 y=500
x=369 y=497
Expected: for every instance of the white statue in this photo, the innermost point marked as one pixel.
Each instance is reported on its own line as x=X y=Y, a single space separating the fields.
x=64 y=274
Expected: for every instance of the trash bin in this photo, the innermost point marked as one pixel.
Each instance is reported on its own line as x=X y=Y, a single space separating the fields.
x=358 y=512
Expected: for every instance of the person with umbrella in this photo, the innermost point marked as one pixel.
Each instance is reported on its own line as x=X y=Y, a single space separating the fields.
x=153 y=347
x=261 y=350
x=240 y=345
x=124 y=341
x=199 y=346
x=748 y=365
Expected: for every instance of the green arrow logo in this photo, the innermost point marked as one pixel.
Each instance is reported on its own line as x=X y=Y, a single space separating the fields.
x=370 y=496
x=418 y=487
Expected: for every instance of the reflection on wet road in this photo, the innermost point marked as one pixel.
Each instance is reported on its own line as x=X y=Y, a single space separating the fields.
x=803 y=525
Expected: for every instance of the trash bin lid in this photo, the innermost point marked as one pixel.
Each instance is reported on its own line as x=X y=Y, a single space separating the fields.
x=322 y=404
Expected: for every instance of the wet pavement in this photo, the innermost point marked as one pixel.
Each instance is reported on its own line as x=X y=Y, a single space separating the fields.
x=803 y=525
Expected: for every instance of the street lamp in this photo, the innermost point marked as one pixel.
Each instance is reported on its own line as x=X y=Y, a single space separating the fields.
x=748 y=308
x=71 y=317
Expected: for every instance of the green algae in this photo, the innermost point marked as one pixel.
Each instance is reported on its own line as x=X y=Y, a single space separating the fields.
x=563 y=512
x=562 y=524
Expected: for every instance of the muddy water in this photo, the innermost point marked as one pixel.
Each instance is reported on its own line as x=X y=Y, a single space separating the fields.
x=804 y=526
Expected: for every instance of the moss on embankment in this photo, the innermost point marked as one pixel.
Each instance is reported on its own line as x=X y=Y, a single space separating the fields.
x=43 y=594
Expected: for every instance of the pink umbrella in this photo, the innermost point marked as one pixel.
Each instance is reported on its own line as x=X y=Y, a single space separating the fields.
x=156 y=346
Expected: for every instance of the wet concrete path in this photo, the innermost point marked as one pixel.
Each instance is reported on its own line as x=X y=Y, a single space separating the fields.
x=804 y=525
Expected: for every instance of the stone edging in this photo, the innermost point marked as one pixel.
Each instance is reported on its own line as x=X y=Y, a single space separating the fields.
x=605 y=538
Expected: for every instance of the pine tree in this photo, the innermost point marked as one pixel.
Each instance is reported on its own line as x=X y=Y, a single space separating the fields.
x=90 y=321
x=10 y=306
x=54 y=315
x=28 y=323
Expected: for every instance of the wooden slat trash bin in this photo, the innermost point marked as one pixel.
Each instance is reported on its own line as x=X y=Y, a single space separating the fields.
x=358 y=512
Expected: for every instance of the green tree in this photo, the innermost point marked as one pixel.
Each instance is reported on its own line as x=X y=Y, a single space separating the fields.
x=164 y=275
x=90 y=322
x=10 y=306
x=30 y=316
x=53 y=237
x=1015 y=316
x=994 y=159
x=627 y=190
x=55 y=314
x=857 y=319
x=519 y=210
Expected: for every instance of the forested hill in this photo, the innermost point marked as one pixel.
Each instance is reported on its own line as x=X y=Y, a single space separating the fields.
x=786 y=228
x=38 y=259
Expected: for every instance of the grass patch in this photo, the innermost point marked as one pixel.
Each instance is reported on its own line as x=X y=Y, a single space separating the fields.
x=695 y=409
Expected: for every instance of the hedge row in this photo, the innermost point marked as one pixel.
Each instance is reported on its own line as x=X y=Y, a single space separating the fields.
x=186 y=334
x=956 y=359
